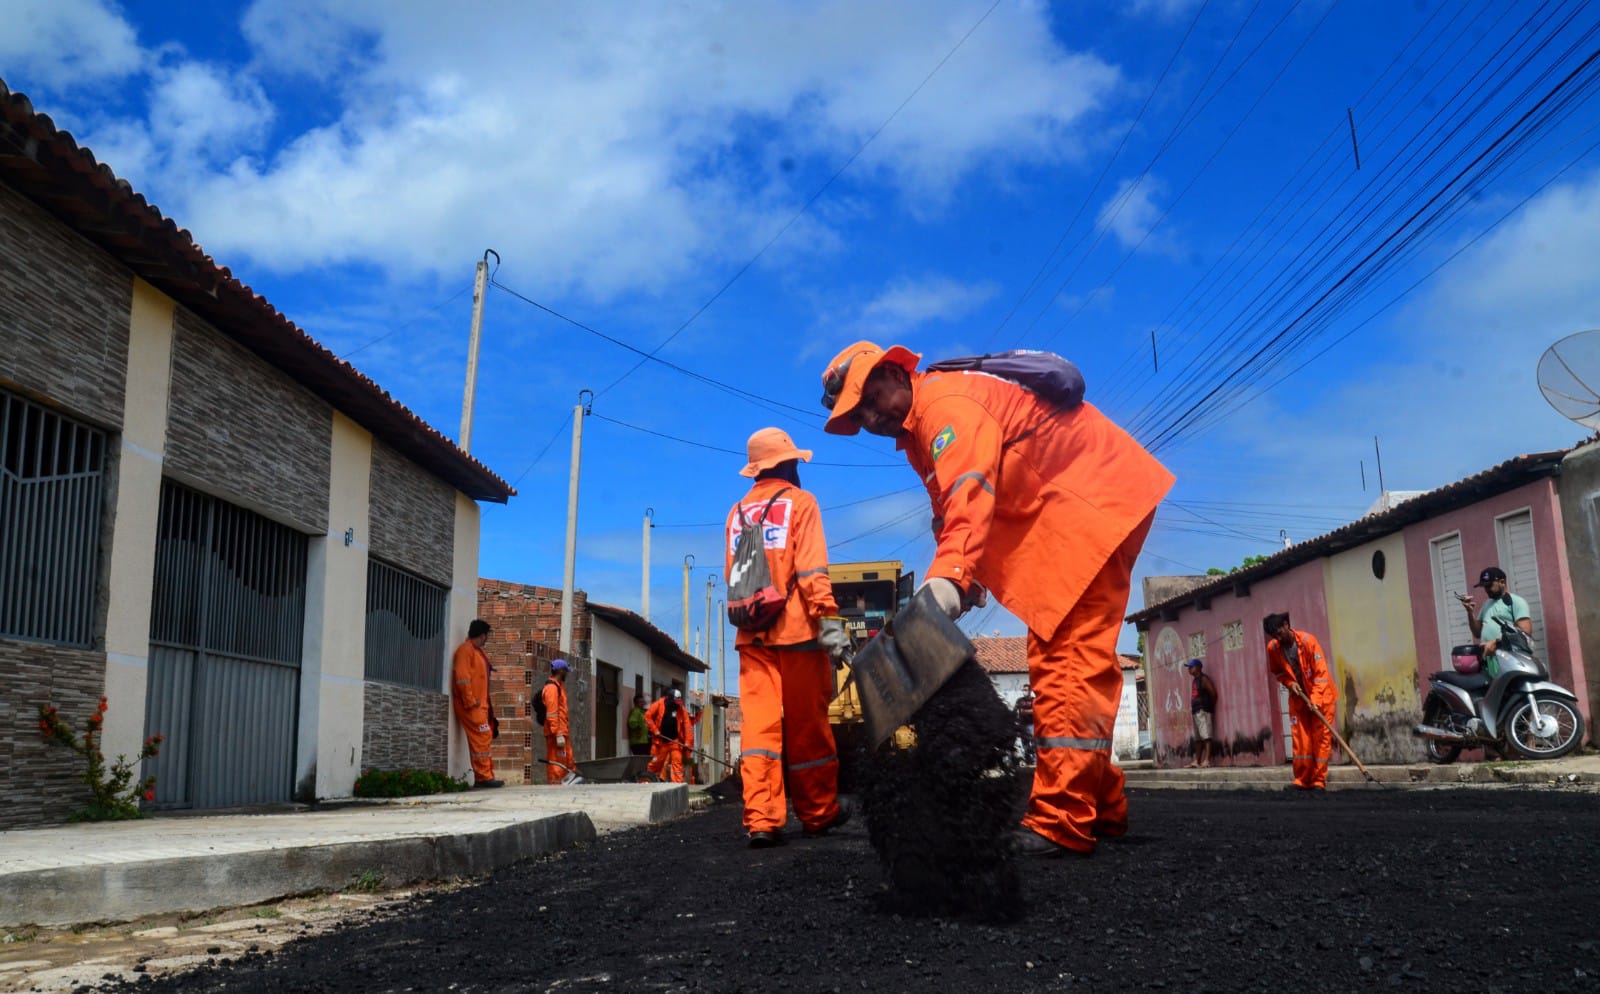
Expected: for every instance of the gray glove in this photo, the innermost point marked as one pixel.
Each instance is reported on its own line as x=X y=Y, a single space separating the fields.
x=832 y=637
x=947 y=595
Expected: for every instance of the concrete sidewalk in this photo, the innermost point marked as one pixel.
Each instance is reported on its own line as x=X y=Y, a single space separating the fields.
x=1579 y=769
x=118 y=871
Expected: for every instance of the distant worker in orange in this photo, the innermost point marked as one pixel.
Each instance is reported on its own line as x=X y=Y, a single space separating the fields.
x=469 y=694
x=557 y=726
x=670 y=726
x=1046 y=503
x=785 y=663
x=1296 y=660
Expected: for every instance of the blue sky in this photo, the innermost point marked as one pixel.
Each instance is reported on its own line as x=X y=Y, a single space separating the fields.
x=750 y=187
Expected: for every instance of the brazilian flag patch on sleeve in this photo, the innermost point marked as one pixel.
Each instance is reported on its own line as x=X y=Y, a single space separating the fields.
x=943 y=441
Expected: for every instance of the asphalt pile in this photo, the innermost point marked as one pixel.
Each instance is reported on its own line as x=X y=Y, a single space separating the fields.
x=939 y=814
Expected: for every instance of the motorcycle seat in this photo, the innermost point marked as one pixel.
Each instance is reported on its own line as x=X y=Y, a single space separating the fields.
x=1466 y=681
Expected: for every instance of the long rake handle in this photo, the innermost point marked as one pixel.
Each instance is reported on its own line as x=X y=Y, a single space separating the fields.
x=1336 y=736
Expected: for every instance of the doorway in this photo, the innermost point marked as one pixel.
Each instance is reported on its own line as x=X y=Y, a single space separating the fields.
x=607 y=701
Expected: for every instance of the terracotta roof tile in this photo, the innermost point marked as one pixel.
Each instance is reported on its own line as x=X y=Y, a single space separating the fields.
x=1002 y=655
x=49 y=167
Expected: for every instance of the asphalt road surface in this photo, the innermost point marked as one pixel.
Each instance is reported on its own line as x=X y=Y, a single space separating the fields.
x=1484 y=890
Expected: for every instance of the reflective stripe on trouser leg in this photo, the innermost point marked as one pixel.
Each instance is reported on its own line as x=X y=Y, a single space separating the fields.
x=813 y=761
x=1312 y=744
x=784 y=696
x=552 y=772
x=766 y=805
x=1076 y=679
x=480 y=751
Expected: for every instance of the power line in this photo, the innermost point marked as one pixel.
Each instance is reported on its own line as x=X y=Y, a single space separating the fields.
x=734 y=452
x=389 y=334
x=831 y=507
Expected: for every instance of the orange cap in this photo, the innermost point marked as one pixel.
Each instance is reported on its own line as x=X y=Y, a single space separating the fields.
x=847 y=374
x=769 y=447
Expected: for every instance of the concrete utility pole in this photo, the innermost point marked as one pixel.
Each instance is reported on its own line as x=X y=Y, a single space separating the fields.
x=644 y=585
x=480 y=289
x=721 y=717
x=688 y=564
x=578 y=414
x=704 y=730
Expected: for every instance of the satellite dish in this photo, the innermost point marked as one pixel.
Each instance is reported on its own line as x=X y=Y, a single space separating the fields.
x=1569 y=377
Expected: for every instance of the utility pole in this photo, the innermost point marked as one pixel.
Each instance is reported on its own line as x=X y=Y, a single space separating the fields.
x=688 y=564
x=480 y=289
x=704 y=733
x=578 y=414
x=644 y=585
x=1378 y=453
x=722 y=688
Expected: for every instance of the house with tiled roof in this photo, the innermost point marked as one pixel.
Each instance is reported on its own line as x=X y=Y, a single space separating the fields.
x=1005 y=659
x=1380 y=595
x=239 y=541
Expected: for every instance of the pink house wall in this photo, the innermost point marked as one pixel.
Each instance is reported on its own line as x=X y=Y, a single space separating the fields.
x=1249 y=728
x=1476 y=523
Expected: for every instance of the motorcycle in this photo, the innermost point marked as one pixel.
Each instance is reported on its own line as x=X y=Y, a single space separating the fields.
x=1519 y=712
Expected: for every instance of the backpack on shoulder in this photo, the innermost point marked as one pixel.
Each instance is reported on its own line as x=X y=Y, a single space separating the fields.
x=1046 y=374
x=754 y=601
x=539 y=712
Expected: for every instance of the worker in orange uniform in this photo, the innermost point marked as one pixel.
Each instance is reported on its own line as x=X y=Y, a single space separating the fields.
x=557 y=727
x=670 y=724
x=785 y=669
x=1046 y=506
x=469 y=694
x=1296 y=660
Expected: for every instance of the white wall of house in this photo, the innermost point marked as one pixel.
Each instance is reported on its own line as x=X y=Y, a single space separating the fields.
x=463 y=608
x=1125 y=734
x=615 y=647
x=132 y=558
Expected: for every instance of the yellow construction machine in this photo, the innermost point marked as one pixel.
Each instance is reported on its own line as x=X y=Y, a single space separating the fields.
x=868 y=594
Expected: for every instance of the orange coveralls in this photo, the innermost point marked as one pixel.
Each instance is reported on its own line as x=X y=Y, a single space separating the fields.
x=666 y=755
x=785 y=679
x=556 y=723
x=1048 y=509
x=1311 y=739
x=469 y=693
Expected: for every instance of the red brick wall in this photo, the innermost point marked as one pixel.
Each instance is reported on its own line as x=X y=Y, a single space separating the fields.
x=526 y=622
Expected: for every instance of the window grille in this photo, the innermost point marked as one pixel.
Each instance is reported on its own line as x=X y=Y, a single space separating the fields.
x=52 y=487
x=405 y=628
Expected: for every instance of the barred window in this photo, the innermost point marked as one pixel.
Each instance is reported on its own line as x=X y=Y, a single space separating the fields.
x=52 y=492
x=405 y=628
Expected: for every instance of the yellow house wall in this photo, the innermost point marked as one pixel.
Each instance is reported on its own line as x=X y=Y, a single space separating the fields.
x=1374 y=648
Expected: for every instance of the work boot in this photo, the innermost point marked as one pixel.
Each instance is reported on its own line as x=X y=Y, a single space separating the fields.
x=766 y=840
x=489 y=783
x=840 y=820
x=1028 y=843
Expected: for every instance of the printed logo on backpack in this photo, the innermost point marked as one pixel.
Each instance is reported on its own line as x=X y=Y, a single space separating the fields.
x=754 y=601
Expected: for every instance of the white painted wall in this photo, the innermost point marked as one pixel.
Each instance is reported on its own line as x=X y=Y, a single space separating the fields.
x=333 y=660
x=1125 y=734
x=614 y=647
x=463 y=608
x=132 y=564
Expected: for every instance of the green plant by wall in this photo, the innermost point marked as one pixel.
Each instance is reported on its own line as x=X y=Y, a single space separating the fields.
x=406 y=783
x=114 y=794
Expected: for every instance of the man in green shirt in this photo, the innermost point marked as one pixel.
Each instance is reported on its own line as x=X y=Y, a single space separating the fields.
x=638 y=729
x=1502 y=611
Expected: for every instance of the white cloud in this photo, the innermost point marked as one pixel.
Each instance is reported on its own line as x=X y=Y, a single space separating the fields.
x=1163 y=10
x=66 y=43
x=597 y=148
x=1131 y=213
x=907 y=304
x=201 y=112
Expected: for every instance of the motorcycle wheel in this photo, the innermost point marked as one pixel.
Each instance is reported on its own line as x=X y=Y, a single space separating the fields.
x=1520 y=728
x=1438 y=750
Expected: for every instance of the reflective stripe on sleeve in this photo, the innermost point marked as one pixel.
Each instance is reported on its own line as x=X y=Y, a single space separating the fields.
x=964 y=477
x=811 y=572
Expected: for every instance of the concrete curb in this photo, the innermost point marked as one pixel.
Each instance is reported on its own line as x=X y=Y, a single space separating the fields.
x=80 y=874
x=197 y=883
x=1581 y=770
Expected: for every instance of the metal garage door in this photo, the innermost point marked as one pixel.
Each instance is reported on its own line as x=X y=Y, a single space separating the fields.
x=227 y=619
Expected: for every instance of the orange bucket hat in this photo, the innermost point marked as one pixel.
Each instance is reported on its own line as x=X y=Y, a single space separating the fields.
x=847 y=374
x=769 y=447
